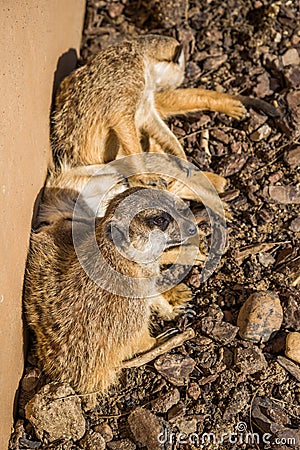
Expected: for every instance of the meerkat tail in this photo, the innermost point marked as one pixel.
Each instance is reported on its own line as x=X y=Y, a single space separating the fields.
x=259 y=105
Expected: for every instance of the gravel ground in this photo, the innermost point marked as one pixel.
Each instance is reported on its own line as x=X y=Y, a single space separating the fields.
x=218 y=383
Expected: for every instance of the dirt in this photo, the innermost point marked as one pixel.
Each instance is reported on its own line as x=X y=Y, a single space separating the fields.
x=217 y=382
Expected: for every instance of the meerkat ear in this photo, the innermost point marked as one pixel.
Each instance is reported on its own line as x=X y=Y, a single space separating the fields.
x=177 y=53
x=116 y=233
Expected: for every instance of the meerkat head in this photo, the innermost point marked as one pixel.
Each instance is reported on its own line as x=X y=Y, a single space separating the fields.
x=142 y=223
x=166 y=60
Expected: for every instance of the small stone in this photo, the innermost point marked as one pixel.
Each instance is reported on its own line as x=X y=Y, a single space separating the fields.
x=220 y=136
x=256 y=120
x=249 y=360
x=222 y=332
x=122 y=444
x=194 y=391
x=262 y=89
x=260 y=315
x=291 y=310
x=295 y=225
x=290 y=57
x=233 y=164
x=93 y=440
x=145 y=428
x=261 y=133
x=105 y=430
x=283 y=194
x=292 y=76
x=293 y=157
x=266 y=259
x=176 y=367
x=213 y=63
x=292 y=349
x=165 y=402
x=115 y=9
x=55 y=413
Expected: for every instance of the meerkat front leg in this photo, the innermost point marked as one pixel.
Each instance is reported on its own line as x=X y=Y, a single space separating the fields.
x=156 y=128
x=129 y=139
x=181 y=101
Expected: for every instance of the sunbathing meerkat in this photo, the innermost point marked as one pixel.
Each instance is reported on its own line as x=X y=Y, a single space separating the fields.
x=103 y=108
x=84 y=332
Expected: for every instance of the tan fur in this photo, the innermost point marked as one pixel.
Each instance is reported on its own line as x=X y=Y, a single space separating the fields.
x=83 y=333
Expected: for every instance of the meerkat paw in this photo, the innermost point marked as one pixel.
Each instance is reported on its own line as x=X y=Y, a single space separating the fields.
x=234 y=108
x=179 y=296
x=148 y=180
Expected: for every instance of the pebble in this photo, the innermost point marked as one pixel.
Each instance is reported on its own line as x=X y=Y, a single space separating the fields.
x=259 y=316
x=249 y=360
x=176 y=367
x=145 y=428
x=295 y=225
x=292 y=76
x=105 y=430
x=262 y=88
x=290 y=57
x=122 y=444
x=292 y=349
x=93 y=441
x=165 y=402
x=283 y=194
x=55 y=413
x=261 y=133
x=293 y=157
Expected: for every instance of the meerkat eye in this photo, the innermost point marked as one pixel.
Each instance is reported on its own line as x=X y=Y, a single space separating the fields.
x=160 y=221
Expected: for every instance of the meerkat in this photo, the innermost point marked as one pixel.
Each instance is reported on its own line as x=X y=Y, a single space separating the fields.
x=83 y=331
x=103 y=109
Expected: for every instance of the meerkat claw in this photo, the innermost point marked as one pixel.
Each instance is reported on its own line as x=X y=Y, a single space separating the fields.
x=167 y=334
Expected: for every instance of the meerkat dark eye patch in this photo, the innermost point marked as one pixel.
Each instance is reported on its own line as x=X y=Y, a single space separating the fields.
x=161 y=221
x=177 y=53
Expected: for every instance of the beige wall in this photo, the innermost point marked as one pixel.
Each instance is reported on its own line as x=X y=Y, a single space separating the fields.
x=33 y=35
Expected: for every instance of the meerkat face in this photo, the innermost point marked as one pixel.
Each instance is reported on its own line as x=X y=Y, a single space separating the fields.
x=165 y=59
x=148 y=221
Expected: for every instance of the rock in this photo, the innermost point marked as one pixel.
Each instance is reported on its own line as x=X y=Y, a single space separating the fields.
x=260 y=315
x=261 y=133
x=233 y=164
x=165 y=402
x=292 y=77
x=145 y=428
x=256 y=120
x=295 y=225
x=289 y=366
x=176 y=368
x=123 y=444
x=220 y=136
x=292 y=349
x=238 y=402
x=222 y=332
x=194 y=391
x=293 y=157
x=55 y=413
x=291 y=312
x=262 y=89
x=105 y=430
x=290 y=57
x=285 y=195
x=92 y=441
x=249 y=360
x=212 y=63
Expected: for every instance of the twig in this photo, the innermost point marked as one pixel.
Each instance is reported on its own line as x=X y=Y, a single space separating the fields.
x=173 y=342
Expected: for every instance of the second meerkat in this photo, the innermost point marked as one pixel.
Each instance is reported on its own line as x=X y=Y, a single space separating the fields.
x=104 y=107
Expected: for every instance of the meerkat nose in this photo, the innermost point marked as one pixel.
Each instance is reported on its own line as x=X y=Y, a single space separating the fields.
x=192 y=229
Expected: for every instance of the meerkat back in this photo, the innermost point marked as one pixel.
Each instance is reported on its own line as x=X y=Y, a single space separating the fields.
x=103 y=105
